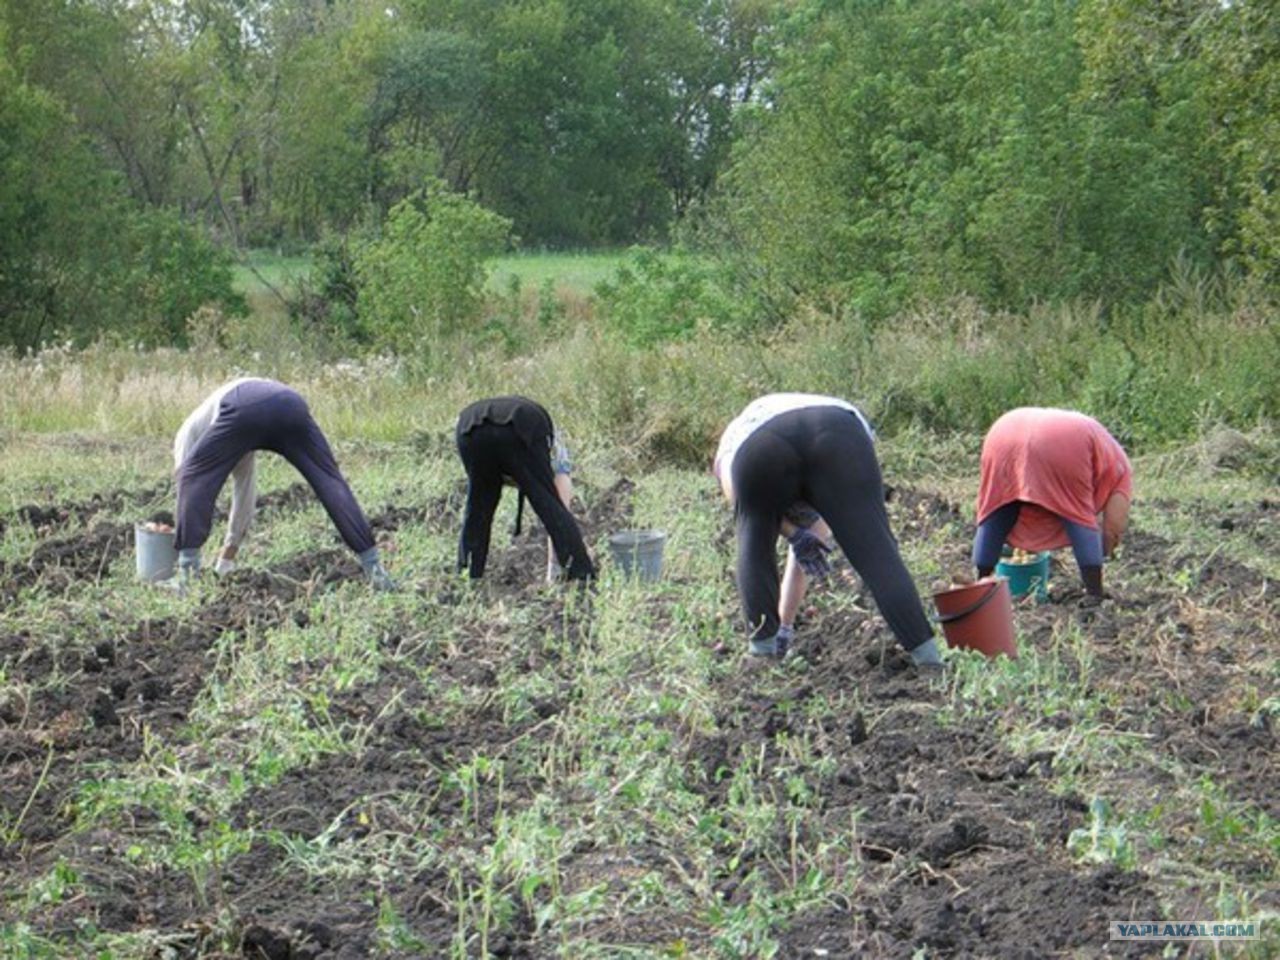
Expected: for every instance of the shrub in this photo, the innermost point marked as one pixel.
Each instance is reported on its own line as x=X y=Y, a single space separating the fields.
x=660 y=297
x=424 y=278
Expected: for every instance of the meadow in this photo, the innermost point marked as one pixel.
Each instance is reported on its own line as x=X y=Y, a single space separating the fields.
x=283 y=764
x=576 y=272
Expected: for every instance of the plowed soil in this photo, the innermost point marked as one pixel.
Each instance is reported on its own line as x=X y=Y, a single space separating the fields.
x=961 y=841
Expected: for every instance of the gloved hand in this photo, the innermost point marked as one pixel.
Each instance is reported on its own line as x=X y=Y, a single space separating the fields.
x=224 y=566
x=927 y=654
x=810 y=552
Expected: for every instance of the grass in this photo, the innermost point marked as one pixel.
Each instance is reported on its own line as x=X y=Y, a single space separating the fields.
x=460 y=768
x=589 y=830
x=279 y=270
x=576 y=273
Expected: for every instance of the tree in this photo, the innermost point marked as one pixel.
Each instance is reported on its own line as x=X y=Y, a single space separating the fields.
x=933 y=148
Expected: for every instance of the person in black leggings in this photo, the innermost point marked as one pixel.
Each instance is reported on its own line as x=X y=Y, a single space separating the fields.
x=786 y=453
x=513 y=440
x=220 y=439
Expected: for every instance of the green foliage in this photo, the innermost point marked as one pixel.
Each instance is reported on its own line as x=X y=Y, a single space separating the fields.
x=78 y=258
x=1003 y=150
x=326 y=300
x=585 y=122
x=1104 y=840
x=174 y=270
x=658 y=297
x=424 y=277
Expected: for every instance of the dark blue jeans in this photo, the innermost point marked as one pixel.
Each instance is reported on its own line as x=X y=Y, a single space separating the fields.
x=1086 y=544
x=264 y=415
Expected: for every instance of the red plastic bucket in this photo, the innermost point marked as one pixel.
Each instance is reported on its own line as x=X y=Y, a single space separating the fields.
x=978 y=616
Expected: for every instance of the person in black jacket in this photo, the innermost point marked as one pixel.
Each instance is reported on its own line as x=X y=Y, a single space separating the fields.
x=512 y=440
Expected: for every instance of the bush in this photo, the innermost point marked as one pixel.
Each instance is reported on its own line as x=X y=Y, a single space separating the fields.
x=424 y=278
x=174 y=269
x=325 y=302
x=660 y=297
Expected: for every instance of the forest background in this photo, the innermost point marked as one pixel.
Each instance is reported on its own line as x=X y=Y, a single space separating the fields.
x=938 y=209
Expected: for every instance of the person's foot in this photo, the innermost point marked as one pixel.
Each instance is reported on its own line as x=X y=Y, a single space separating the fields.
x=775 y=646
x=379 y=579
x=930 y=671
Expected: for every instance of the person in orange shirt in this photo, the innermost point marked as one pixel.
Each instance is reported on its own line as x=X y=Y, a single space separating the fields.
x=1052 y=478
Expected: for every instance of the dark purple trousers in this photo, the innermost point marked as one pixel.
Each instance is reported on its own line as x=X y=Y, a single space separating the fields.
x=264 y=415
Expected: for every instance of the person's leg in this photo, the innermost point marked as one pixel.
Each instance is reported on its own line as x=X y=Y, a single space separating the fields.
x=1086 y=544
x=766 y=481
x=990 y=537
x=301 y=442
x=757 y=574
x=531 y=470
x=201 y=477
x=843 y=482
x=484 y=490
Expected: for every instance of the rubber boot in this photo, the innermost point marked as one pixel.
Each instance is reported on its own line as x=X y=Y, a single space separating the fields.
x=1092 y=577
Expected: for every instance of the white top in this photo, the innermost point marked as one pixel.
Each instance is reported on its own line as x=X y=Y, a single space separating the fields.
x=759 y=412
x=244 y=493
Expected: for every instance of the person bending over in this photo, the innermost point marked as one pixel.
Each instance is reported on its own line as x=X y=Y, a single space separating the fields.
x=512 y=440
x=1052 y=478
x=221 y=437
x=802 y=465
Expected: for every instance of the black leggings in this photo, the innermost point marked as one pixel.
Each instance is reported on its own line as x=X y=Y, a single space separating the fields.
x=264 y=415
x=490 y=452
x=824 y=456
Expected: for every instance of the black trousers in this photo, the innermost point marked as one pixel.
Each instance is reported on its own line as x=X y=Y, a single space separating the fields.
x=824 y=456
x=264 y=415
x=491 y=452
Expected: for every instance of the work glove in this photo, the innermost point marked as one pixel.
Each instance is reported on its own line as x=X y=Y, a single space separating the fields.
x=378 y=577
x=926 y=654
x=810 y=552
x=223 y=566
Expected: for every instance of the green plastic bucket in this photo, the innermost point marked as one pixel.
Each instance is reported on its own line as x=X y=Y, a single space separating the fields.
x=1025 y=578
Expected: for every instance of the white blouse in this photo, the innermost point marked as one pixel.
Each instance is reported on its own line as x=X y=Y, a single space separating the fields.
x=763 y=409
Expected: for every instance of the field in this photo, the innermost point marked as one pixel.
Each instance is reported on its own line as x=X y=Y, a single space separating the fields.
x=576 y=272
x=281 y=764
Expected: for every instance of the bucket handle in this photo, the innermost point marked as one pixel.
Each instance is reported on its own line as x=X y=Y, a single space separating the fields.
x=973 y=607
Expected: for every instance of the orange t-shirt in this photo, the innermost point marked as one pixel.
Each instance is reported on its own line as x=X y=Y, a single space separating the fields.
x=1060 y=464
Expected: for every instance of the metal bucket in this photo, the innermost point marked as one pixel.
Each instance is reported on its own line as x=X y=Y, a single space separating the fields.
x=156 y=555
x=638 y=553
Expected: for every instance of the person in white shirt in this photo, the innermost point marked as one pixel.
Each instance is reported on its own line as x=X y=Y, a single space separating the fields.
x=221 y=437
x=804 y=465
